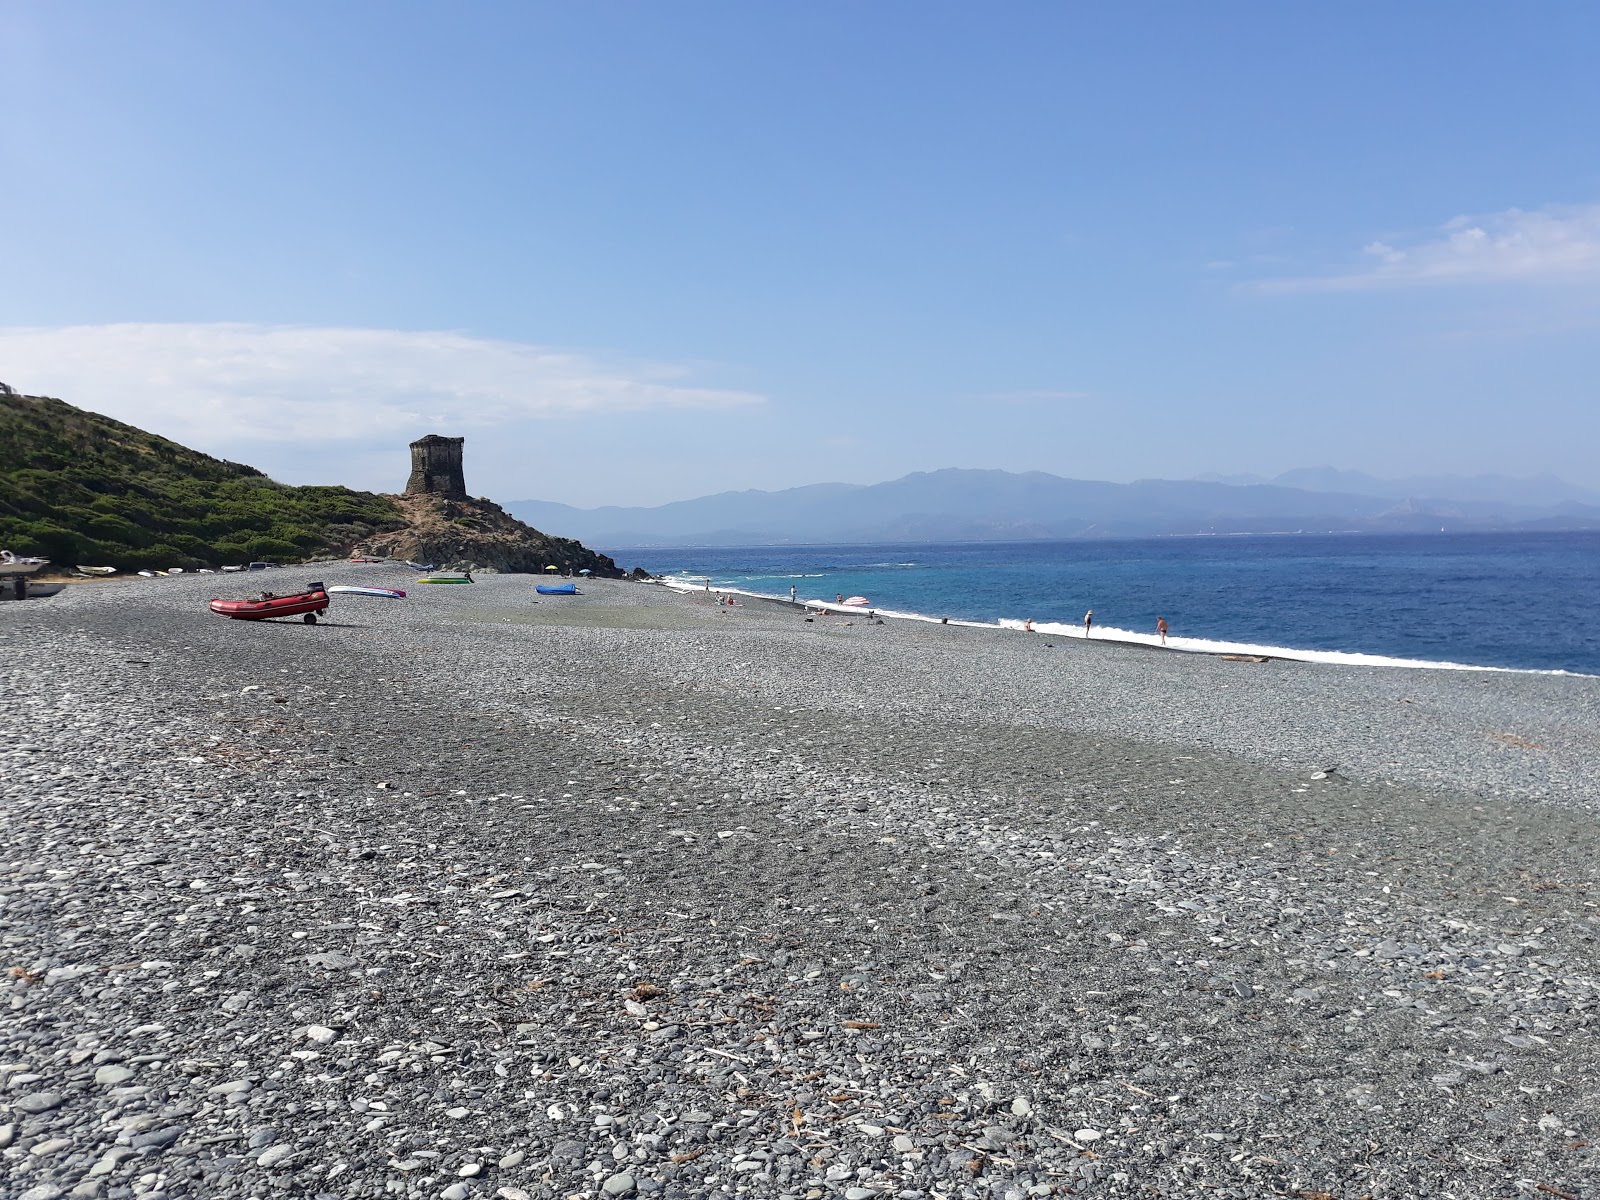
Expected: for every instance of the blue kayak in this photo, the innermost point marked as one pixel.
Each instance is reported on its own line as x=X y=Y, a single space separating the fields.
x=565 y=589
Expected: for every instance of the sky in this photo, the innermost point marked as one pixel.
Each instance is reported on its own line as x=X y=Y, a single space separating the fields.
x=638 y=252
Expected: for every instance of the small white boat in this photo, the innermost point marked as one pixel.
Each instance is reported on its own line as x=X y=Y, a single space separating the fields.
x=344 y=589
x=83 y=570
x=174 y=570
x=148 y=574
x=230 y=570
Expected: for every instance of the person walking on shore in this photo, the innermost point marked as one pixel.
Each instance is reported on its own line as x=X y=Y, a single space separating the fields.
x=1088 y=622
x=1161 y=628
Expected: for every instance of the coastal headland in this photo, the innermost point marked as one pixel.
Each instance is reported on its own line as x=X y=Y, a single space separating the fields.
x=480 y=893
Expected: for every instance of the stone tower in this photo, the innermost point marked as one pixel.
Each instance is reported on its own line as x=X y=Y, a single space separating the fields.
x=436 y=468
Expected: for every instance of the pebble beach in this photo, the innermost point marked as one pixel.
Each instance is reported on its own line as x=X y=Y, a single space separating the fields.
x=484 y=894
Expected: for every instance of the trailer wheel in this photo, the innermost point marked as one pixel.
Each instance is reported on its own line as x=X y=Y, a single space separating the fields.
x=310 y=618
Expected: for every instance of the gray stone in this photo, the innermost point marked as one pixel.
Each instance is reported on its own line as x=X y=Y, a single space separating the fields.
x=157 y=1139
x=620 y=1184
x=37 y=1102
x=331 y=960
x=112 y=1074
x=273 y=1155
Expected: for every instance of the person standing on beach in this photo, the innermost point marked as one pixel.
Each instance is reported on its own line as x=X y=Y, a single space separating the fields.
x=1161 y=628
x=793 y=594
x=1088 y=622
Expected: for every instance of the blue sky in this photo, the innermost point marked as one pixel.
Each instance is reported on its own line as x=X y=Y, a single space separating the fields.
x=638 y=252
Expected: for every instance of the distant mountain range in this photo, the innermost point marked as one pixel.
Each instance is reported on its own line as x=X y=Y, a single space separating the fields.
x=1539 y=491
x=965 y=505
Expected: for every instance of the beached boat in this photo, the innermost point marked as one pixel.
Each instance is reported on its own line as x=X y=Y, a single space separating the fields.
x=20 y=587
x=231 y=569
x=445 y=579
x=416 y=566
x=83 y=570
x=564 y=589
x=363 y=558
x=345 y=589
x=306 y=605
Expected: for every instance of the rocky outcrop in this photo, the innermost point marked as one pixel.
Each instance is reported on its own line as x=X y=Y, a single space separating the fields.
x=479 y=533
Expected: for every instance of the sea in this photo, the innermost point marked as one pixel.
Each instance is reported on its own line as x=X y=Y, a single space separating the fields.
x=1522 y=601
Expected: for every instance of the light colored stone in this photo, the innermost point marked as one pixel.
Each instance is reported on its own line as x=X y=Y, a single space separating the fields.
x=273 y=1155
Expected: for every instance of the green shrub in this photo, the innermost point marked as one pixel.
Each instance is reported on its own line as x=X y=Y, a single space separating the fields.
x=79 y=487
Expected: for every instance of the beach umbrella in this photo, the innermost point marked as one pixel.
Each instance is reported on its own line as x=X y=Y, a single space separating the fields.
x=586 y=571
x=552 y=567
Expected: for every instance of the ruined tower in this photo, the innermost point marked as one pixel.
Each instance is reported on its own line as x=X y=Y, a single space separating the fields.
x=436 y=468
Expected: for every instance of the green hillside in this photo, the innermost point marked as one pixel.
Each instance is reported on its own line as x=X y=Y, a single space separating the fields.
x=77 y=487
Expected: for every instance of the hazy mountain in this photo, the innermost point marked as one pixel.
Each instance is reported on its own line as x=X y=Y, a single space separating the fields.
x=965 y=505
x=1539 y=491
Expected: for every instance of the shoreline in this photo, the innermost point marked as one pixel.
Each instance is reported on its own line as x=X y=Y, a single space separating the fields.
x=1125 y=637
x=556 y=891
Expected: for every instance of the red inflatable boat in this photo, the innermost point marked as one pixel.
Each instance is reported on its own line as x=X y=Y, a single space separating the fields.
x=306 y=605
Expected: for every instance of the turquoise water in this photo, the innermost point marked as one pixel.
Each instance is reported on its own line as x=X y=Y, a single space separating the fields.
x=1521 y=601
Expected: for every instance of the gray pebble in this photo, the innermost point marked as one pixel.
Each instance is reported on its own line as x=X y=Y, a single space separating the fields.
x=37 y=1102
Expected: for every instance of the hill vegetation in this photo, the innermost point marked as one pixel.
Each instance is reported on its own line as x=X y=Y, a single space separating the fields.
x=77 y=487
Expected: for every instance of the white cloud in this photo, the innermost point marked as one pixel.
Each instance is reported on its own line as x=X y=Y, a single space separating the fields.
x=230 y=384
x=1559 y=243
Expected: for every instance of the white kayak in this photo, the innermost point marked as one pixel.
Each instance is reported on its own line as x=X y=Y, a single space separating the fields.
x=385 y=593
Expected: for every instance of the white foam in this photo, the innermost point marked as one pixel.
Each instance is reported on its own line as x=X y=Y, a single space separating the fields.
x=1110 y=633
x=1347 y=658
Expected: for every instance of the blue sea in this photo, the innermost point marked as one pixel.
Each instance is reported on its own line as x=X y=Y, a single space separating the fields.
x=1526 y=601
